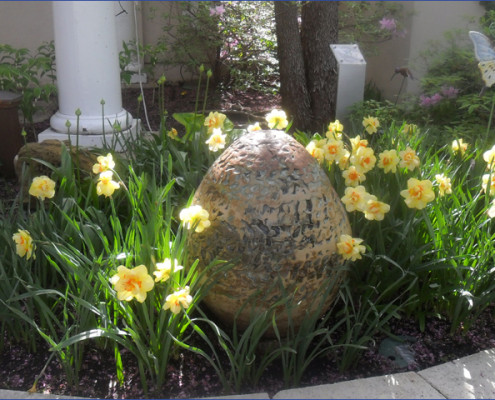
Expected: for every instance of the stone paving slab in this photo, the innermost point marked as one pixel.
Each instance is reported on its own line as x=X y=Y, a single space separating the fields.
x=406 y=385
x=471 y=377
x=241 y=396
x=18 y=394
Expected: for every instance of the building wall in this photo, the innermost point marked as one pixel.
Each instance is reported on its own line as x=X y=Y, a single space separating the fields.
x=25 y=24
x=426 y=21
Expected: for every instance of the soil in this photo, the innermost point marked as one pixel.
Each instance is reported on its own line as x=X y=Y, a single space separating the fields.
x=189 y=375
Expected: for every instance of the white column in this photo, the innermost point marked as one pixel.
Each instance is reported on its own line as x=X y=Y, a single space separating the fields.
x=88 y=73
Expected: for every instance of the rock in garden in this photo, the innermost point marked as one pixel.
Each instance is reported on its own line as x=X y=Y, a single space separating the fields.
x=273 y=210
x=49 y=151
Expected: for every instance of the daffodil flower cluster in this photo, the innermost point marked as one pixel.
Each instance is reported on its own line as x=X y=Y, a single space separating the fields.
x=42 y=187
x=106 y=186
x=195 y=217
x=360 y=159
x=24 y=244
x=488 y=180
x=277 y=119
x=459 y=147
x=135 y=283
x=215 y=121
x=350 y=248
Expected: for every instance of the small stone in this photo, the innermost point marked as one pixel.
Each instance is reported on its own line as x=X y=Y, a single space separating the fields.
x=51 y=152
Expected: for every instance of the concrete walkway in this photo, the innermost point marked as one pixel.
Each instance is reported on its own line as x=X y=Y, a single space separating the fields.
x=471 y=377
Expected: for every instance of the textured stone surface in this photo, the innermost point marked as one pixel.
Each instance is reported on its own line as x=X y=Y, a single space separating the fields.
x=273 y=209
x=51 y=152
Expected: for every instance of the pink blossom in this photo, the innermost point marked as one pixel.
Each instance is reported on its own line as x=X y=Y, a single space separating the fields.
x=437 y=97
x=217 y=10
x=233 y=43
x=449 y=92
x=424 y=101
x=388 y=23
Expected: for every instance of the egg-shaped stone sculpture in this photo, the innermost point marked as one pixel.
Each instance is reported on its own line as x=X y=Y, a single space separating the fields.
x=275 y=213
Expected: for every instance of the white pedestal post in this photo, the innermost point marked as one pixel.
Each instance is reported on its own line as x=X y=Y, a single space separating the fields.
x=88 y=74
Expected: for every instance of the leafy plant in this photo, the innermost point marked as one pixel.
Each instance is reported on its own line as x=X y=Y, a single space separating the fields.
x=32 y=75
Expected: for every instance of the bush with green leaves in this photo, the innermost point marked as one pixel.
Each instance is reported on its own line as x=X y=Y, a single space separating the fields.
x=236 y=40
x=31 y=75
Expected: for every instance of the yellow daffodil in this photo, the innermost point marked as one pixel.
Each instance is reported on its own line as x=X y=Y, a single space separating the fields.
x=24 y=244
x=491 y=210
x=316 y=151
x=216 y=141
x=489 y=178
x=277 y=119
x=106 y=186
x=104 y=164
x=173 y=134
x=355 y=198
x=458 y=146
x=375 y=210
x=254 y=127
x=132 y=283
x=444 y=185
x=177 y=299
x=335 y=130
x=164 y=269
x=343 y=161
x=215 y=120
x=409 y=159
x=357 y=142
x=363 y=159
x=195 y=216
x=42 y=187
x=371 y=124
x=418 y=193
x=489 y=157
x=410 y=129
x=332 y=149
x=388 y=161
x=353 y=176
x=350 y=248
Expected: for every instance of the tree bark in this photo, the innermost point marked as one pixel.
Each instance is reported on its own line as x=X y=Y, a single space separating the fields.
x=319 y=29
x=293 y=87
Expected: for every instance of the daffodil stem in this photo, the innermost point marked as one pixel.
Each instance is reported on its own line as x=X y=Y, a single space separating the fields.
x=429 y=226
x=206 y=93
x=78 y=173
x=490 y=119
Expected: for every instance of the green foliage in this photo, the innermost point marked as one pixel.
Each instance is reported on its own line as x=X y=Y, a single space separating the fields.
x=359 y=22
x=32 y=75
x=240 y=38
x=129 y=54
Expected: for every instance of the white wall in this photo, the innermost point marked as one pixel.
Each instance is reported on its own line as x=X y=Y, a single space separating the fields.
x=26 y=24
x=431 y=19
x=426 y=21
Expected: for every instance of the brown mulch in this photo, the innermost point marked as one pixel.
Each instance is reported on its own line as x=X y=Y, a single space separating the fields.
x=190 y=376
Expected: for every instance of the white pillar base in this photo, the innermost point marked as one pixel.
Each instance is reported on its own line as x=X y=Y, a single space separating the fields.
x=115 y=140
x=90 y=125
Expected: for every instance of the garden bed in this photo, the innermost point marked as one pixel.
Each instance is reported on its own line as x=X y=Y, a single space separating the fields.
x=190 y=375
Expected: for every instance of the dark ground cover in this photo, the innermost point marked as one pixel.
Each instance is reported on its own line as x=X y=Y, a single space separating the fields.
x=191 y=376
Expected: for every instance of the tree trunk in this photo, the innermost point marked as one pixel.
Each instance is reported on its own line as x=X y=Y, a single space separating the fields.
x=293 y=88
x=319 y=29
